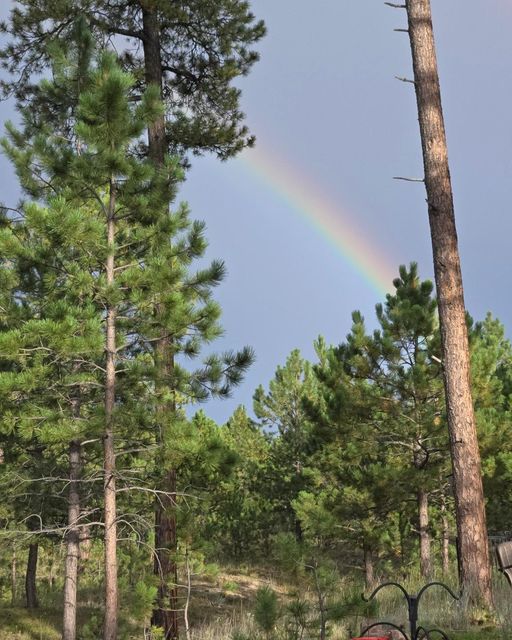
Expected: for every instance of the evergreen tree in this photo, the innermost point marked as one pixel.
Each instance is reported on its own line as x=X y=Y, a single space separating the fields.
x=281 y=411
x=241 y=517
x=108 y=189
x=409 y=343
x=491 y=369
x=191 y=53
x=193 y=50
x=385 y=388
x=124 y=263
x=356 y=488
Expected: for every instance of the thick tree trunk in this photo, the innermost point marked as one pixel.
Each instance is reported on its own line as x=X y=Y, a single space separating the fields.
x=157 y=140
x=30 y=577
x=469 y=498
x=72 y=544
x=109 y=460
x=166 y=613
x=424 y=535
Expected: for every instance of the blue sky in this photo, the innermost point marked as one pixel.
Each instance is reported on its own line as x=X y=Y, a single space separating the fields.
x=323 y=98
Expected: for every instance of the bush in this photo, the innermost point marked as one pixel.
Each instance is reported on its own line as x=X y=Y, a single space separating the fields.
x=266 y=609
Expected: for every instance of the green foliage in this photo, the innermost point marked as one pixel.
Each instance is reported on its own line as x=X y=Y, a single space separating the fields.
x=52 y=347
x=297 y=613
x=266 y=609
x=142 y=600
x=91 y=630
x=282 y=412
x=288 y=553
x=204 y=48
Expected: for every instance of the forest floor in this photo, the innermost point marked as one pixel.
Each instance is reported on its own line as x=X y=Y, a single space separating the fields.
x=219 y=607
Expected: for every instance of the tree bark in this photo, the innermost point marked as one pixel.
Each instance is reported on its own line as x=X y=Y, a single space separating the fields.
x=157 y=141
x=165 y=615
x=30 y=577
x=445 y=538
x=369 y=574
x=85 y=547
x=469 y=497
x=109 y=460
x=424 y=535
x=72 y=544
x=14 y=579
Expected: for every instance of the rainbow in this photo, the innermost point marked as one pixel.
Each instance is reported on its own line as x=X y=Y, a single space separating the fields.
x=333 y=223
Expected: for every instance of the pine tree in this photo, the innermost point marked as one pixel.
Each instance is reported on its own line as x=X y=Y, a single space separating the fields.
x=192 y=51
x=356 y=488
x=96 y=172
x=241 y=515
x=411 y=377
x=382 y=416
x=466 y=461
x=491 y=376
x=116 y=187
x=281 y=411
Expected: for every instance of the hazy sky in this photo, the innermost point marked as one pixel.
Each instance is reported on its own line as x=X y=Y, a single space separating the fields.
x=333 y=127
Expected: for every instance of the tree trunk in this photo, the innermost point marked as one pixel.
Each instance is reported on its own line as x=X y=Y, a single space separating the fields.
x=469 y=498
x=51 y=568
x=14 y=580
x=30 y=578
x=424 y=535
x=445 y=541
x=72 y=544
x=109 y=460
x=166 y=613
x=157 y=141
x=85 y=546
x=402 y=525
x=369 y=574
x=299 y=534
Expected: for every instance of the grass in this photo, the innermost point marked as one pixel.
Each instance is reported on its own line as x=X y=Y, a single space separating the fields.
x=20 y=624
x=222 y=607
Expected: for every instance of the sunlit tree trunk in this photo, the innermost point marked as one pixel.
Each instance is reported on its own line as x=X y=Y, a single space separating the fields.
x=468 y=489
x=72 y=544
x=109 y=460
x=14 y=577
x=424 y=535
x=445 y=541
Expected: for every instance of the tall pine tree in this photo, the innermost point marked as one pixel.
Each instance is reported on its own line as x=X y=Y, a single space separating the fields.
x=126 y=263
x=191 y=52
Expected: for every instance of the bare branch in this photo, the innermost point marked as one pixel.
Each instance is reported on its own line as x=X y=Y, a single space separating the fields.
x=405 y=80
x=408 y=179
